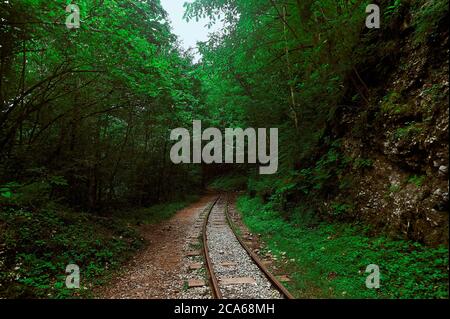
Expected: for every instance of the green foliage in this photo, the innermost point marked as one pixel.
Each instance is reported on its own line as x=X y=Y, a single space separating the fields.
x=391 y=104
x=339 y=209
x=394 y=188
x=8 y=189
x=267 y=70
x=410 y=130
x=329 y=260
x=154 y=214
x=229 y=183
x=362 y=163
x=428 y=18
x=5 y=192
x=35 y=193
x=323 y=174
x=261 y=185
x=436 y=91
x=112 y=87
x=38 y=245
x=393 y=8
x=85 y=117
x=417 y=180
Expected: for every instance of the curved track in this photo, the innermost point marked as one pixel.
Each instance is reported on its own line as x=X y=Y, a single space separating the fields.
x=234 y=271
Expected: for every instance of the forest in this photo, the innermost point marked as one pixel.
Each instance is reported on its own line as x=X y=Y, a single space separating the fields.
x=86 y=116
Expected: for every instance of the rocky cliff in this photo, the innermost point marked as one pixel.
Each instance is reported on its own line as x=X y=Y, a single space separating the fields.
x=396 y=124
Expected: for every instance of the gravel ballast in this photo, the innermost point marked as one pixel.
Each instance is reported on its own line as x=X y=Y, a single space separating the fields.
x=225 y=248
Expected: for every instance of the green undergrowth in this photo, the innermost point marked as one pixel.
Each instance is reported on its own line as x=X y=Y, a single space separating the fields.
x=156 y=213
x=36 y=245
x=229 y=183
x=329 y=260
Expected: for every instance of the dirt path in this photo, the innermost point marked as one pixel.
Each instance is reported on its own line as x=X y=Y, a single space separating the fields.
x=154 y=273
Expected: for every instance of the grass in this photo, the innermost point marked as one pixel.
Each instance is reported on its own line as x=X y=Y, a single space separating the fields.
x=329 y=260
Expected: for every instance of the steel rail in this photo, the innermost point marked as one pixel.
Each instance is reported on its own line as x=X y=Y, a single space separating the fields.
x=258 y=261
x=214 y=283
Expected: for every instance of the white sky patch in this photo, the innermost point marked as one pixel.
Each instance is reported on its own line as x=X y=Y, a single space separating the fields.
x=190 y=32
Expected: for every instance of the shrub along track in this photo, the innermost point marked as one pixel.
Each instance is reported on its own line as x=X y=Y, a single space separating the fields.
x=234 y=271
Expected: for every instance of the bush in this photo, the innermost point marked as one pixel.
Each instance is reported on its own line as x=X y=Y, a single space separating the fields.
x=229 y=183
x=33 y=194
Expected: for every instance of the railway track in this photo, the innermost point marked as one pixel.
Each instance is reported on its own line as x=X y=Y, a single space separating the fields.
x=233 y=270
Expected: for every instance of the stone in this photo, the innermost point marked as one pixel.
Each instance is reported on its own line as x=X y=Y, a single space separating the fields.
x=238 y=281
